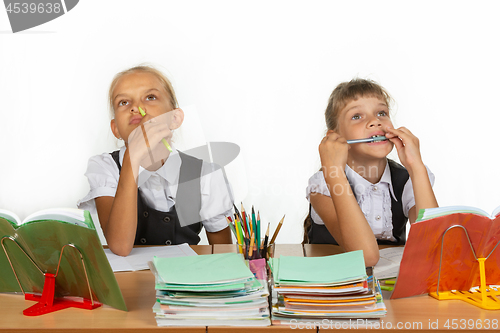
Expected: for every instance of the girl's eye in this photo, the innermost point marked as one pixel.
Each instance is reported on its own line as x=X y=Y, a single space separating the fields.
x=122 y=103
x=356 y=117
x=382 y=114
x=151 y=98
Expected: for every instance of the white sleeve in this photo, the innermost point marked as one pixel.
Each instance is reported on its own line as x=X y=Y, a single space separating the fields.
x=216 y=198
x=102 y=174
x=408 y=197
x=317 y=184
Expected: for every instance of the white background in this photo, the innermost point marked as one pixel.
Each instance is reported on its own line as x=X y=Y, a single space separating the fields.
x=259 y=74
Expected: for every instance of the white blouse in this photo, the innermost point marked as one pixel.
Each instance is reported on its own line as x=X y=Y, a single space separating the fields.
x=373 y=199
x=159 y=188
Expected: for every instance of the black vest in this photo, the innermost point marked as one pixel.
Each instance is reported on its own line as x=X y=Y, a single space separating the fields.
x=160 y=228
x=319 y=234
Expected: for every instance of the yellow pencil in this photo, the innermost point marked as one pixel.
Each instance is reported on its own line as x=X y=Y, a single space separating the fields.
x=235 y=231
x=165 y=142
x=250 y=252
x=277 y=231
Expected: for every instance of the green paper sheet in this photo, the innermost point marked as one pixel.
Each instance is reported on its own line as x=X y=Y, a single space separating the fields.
x=317 y=270
x=203 y=269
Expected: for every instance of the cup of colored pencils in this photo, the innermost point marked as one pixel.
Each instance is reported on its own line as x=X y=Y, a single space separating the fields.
x=246 y=228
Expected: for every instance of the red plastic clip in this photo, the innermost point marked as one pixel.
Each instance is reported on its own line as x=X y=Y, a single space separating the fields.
x=48 y=303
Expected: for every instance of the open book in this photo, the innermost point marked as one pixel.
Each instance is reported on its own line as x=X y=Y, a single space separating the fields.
x=427 y=214
x=38 y=240
x=419 y=270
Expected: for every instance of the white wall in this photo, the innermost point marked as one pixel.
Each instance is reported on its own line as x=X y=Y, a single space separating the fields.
x=259 y=74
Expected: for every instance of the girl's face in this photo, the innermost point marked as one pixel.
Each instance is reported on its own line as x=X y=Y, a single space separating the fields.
x=364 y=118
x=131 y=91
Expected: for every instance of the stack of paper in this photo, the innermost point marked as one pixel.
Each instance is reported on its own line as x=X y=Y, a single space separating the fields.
x=215 y=290
x=332 y=287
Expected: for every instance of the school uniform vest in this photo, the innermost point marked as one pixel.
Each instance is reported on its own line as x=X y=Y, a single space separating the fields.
x=319 y=234
x=159 y=228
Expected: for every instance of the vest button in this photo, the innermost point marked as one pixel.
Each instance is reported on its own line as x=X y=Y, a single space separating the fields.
x=143 y=240
x=145 y=214
x=169 y=242
x=166 y=219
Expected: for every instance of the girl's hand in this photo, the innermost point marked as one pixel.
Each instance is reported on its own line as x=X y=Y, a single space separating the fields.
x=407 y=145
x=333 y=152
x=146 y=146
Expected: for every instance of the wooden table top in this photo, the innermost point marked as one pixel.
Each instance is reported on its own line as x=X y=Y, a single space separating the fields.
x=415 y=313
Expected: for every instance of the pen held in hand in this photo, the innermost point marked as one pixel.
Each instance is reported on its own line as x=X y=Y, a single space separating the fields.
x=368 y=140
x=147 y=143
x=165 y=142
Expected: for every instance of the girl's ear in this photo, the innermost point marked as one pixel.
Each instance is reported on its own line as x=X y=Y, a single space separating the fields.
x=330 y=132
x=177 y=119
x=114 y=129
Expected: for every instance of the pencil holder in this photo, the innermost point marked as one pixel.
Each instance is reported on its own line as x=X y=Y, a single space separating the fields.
x=254 y=253
x=270 y=251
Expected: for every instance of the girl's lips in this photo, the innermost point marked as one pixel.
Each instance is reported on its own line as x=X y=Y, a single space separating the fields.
x=378 y=142
x=135 y=120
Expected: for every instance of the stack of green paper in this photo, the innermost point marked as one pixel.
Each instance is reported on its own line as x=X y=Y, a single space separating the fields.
x=215 y=289
x=307 y=288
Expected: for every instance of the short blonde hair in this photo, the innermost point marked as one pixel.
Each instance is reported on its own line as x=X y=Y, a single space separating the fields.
x=346 y=92
x=165 y=82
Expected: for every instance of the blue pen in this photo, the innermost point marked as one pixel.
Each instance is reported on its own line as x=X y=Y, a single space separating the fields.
x=372 y=139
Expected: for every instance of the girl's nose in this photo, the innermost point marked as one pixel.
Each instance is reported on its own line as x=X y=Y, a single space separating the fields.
x=375 y=121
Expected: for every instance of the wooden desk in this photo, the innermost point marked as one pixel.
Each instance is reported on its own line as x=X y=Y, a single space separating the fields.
x=416 y=313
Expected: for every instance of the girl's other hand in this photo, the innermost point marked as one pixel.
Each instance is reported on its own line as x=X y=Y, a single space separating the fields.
x=407 y=145
x=333 y=152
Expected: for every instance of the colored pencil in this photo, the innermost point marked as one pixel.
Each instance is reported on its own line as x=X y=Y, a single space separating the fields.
x=250 y=251
x=240 y=233
x=237 y=230
x=245 y=220
x=254 y=222
x=266 y=238
x=237 y=211
x=277 y=230
x=251 y=224
x=147 y=143
x=229 y=222
x=258 y=230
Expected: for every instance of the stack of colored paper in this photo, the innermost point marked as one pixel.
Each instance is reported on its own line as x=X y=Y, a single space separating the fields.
x=332 y=287
x=215 y=290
